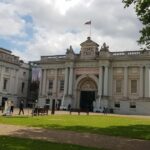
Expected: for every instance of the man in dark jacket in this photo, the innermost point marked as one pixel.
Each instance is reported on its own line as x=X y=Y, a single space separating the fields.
x=21 y=106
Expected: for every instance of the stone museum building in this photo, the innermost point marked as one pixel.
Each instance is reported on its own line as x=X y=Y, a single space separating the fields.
x=95 y=78
x=14 y=77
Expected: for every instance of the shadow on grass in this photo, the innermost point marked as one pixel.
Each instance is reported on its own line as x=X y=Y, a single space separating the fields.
x=13 y=143
x=13 y=117
x=91 y=140
x=130 y=131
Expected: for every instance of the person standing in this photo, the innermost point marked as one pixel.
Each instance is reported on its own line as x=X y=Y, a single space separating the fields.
x=3 y=105
x=21 y=106
x=12 y=107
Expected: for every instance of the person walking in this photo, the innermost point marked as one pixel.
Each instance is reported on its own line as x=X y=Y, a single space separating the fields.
x=21 y=106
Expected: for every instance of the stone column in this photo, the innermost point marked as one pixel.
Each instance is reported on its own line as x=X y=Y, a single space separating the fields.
x=106 y=81
x=17 y=82
x=141 y=82
x=11 y=83
x=98 y=101
x=66 y=82
x=1 y=80
x=110 y=81
x=44 y=83
x=147 y=81
x=40 y=86
x=55 y=83
x=125 y=94
x=70 y=81
x=100 y=81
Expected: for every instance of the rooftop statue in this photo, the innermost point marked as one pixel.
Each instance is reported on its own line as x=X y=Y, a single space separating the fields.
x=104 y=47
x=70 y=50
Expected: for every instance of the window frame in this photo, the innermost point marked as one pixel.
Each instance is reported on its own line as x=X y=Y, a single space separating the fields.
x=116 y=88
x=62 y=83
x=133 y=88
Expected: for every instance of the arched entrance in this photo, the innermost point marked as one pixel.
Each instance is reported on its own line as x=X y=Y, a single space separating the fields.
x=87 y=93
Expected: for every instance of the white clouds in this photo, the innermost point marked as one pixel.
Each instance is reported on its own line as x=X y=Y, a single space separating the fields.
x=58 y=24
x=10 y=23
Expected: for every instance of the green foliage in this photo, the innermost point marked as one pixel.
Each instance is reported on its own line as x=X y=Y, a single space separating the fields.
x=109 y=125
x=142 y=8
x=12 y=143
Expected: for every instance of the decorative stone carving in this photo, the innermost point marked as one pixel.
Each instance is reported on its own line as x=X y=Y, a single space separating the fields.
x=104 y=48
x=88 y=85
x=70 y=53
x=89 y=49
x=79 y=71
x=70 y=50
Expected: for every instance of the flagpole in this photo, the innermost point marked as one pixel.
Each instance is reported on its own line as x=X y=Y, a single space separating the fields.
x=89 y=23
x=90 y=30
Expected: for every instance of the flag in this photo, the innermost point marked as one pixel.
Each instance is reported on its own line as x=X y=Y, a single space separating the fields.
x=88 y=23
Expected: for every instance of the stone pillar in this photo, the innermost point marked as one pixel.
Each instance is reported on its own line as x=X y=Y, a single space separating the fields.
x=44 y=83
x=11 y=83
x=106 y=81
x=70 y=81
x=1 y=80
x=100 y=81
x=125 y=94
x=66 y=82
x=17 y=82
x=40 y=86
x=147 y=81
x=55 y=83
x=141 y=82
x=110 y=81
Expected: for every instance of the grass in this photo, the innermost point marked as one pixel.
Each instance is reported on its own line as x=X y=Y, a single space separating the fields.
x=12 y=143
x=109 y=125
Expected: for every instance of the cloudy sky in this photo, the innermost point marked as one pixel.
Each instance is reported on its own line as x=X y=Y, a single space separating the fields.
x=31 y=28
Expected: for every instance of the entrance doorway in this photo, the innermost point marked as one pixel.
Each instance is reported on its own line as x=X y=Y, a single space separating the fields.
x=86 y=100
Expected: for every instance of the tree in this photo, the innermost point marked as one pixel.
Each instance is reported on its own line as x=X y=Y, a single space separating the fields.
x=142 y=8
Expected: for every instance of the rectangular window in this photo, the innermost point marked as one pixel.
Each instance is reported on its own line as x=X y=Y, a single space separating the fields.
x=132 y=105
x=5 y=84
x=50 y=86
x=61 y=85
x=24 y=74
x=118 y=86
x=7 y=69
x=47 y=101
x=22 y=87
x=133 y=86
x=117 y=104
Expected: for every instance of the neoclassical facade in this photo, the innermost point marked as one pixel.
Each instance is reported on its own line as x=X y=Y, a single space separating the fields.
x=97 y=78
x=14 y=77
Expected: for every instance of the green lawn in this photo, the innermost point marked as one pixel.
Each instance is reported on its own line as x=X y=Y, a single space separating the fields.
x=11 y=143
x=109 y=125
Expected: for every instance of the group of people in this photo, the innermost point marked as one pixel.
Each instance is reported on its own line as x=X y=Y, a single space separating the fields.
x=8 y=107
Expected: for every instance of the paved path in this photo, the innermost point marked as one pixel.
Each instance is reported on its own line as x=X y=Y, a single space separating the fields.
x=84 y=139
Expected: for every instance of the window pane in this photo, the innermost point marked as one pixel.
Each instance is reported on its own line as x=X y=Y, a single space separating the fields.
x=133 y=86
x=118 y=86
x=61 y=84
x=5 y=84
x=22 y=87
x=117 y=104
x=50 y=84
x=132 y=105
